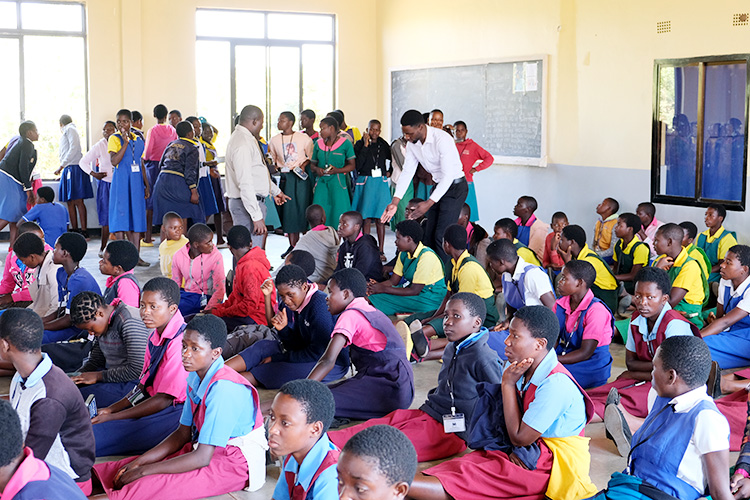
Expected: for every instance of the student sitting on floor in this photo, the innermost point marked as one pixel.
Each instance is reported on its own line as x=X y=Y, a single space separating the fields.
x=467 y=275
x=37 y=257
x=72 y=279
x=586 y=326
x=551 y=259
x=55 y=421
x=689 y=286
x=301 y=414
x=17 y=276
x=688 y=241
x=322 y=242
x=245 y=304
x=304 y=328
x=112 y=368
x=573 y=246
x=118 y=261
x=198 y=268
x=646 y=211
x=631 y=254
x=52 y=217
x=604 y=229
x=542 y=404
x=508 y=230
x=715 y=241
x=377 y=352
x=477 y=239
x=379 y=460
x=358 y=250
x=151 y=412
x=467 y=361
x=22 y=475
x=418 y=283
x=652 y=322
x=173 y=240
x=682 y=448
x=220 y=445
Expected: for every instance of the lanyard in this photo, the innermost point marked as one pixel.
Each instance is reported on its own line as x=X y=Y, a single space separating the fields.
x=190 y=271
x=670 y=405
x=283 y=147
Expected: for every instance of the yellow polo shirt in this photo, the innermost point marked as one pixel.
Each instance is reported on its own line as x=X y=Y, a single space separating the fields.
x=429 y=268
x=114 y=143
x=471 y=277
x=640 y=255
x=604 y=278
x=689 y=279
x=527 y=254
x=724 y=245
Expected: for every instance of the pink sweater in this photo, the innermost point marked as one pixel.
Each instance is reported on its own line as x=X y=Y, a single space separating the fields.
x=16 y=281
x=204 y=274
x=157 y=140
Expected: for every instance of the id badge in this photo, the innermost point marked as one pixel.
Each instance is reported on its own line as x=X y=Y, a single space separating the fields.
x=376 y=172
x=135 y=168
x=454 y=423
x=204 y=300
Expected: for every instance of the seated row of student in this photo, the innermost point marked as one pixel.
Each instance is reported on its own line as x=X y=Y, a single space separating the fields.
x=551 y=259
x=531 y=231
x=55 y=422
x=689 y=285
x=220 y=444
x=663 y=458
x=507 y=229
x=198 y=268
x=173 y=239
x=630 y=253
x=477 y=238
x=151 y=411
x=417 y=283
x=116 y=359
x=646 y=211
x=52 y=217
x=322 y=242
x=573 y=246
x=587 y=326
x=605 y=237
x=22 y=474
x=715 y=241
x=467 y=362
x=542 y=405
x=17 y=276
x=303 y=324
x=467 y=275
x=118 y=261
x=72 y=279
x=358 y=250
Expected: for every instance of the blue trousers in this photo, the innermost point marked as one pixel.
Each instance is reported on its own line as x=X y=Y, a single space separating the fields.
x=730 y=349
x=60 y=335
x=497 y=342
x=134 y=436
x=107 y=393
x=190 y=303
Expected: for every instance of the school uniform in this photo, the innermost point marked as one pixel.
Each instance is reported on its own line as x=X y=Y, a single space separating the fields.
x=17 y=278
x=650 y=232
x=218 y=191
x=127 y=207
x=167 y=249
x=626 y=256
x=591 y=320
x=643 y=343
x=605 y=237
x=554 y=405
x=532 y=233
x=158 y=138
x=74 y=183
x=290 y=152
x=36 y=479
x=332 y=191
x=731 y=348
x=323 y=244
x=201 y=279
x=353 y=133
x=465 y=365
x=43 y=289
x=301 y=344
x=52 y=218
x=124 y=287
x=372 y=193
x=316 y=478
x=526 y=253
x=178 y=175
x=473 y=156
x=67 y=288
x=98 y=159
x=716 y=247
x=700 y=256
x=206 y=197
x=225 y=412
x=379 y=355
x=605 y=284
x=526 y=285
x=363 y=254
x=163 y=373
x=686 y=273
x=16 y=169
x=54 y=419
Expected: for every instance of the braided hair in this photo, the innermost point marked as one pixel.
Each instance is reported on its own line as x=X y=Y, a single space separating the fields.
x=83 y=307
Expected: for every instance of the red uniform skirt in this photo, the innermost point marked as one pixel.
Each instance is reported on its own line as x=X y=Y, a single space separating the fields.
x=633 y=398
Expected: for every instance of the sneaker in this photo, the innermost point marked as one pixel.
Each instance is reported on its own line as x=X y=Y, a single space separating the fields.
x=403 y=330
x=288 y=251
x=713 y=385
x=145 y=243
x=142 y=263
x=617 y=429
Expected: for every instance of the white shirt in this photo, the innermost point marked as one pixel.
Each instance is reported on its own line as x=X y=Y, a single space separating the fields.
x=70 y=146
x=98 y=152
x=535 y=284
x=439 y=156
x=711 y=434
x=246 y=171
x=744 y=303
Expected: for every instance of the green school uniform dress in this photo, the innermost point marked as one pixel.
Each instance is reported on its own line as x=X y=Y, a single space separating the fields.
x=332 y=191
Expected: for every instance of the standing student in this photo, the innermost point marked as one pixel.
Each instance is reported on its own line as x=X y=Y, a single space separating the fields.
x=38 y=258
x=473 y=159
x=118 y=261
x=398 y=155
x=51 y=217
x=605 y=236
x=206 y=197
x=74 y=185
x=98 y=164
x=207 y=137
x=307 y=123
x=371 y=191
x=646 y=211
x=551 y=259
x=17 y=276
x=715 y=241
x=436 y=151
x=353 y=132
x=157 y=139
x=358 y=250
x=137 y=127
x=291 y=151
x=332 y=161
x=173 y=241
x=531 y=231
x=322 y=242
x=630 y=253
x=175 y=117
x=15 y=178
x=198 y=268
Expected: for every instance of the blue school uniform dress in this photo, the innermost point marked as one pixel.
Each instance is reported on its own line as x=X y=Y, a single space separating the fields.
x=178 y=175
x=315 y=479
x=205 y=188
x=15 y=179
x=127 y=207
x=36 y=479
x=731 y=348
x=52 y=218
x=67 y=288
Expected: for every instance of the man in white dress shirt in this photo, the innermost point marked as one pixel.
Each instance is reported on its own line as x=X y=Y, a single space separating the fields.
x=248 y=181
x=436 y=151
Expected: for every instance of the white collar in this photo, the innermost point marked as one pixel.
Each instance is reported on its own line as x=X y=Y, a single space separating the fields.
x=740 y=289
x=687 y=401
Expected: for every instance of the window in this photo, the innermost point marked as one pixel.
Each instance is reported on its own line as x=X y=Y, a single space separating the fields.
x=277 y=61
x=699 y=140
x=43 y=47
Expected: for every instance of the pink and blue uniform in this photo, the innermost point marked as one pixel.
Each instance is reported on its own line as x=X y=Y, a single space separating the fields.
x=36 y=479
x=316 y=478
x=124 y=287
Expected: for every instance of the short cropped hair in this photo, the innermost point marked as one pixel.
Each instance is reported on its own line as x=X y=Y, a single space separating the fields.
x=743 y=254
x=65 y=119
x=27 y=227
x=502 y=249
x=308 y=113
x=354 y=216
x=170 y=216
x=303 y=259
x=167 y=288
x=466 y=210
x=26 y=127
x=688 y=356
x=192 y=119
x=414 y=201
x=508 y=225
x=46 y=193
x=411 y=229
x=720 y=210
x=176 y=112
x=10 y=429
x=648 y=207
x=530 y=202
x=352 y=279
x=110 y=122
x=456 y=236
x=289 y=115
x=239 y=237
x=338 y=116
x=657 y=276
x=22 y=328
x=199 y=232
x=28 y=244
x=388 y=450
x=412 y=118
x=125 y=112
x=211 y=328
x=314 y=214
x=330 y=121
x=615 y=204
x=315 y=398
x=160 y=111
x=122 y=253
x=460 y=122
x=74 y=244
x=83 y=307
x=184 y=128
x=250 y=113
x=540 y=322
x=137 y=116
x=671 y=231
x=559 y=216
x=291 y=275
x=473 y=302
x=631 y=220
x=582 y=270
x=575 y=233
x=691 y=230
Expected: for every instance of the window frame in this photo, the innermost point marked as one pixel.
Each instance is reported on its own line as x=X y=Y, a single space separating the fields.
x=697 y=200
x=267 y=43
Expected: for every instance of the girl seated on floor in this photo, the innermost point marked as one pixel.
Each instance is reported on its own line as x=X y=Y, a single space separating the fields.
x=198 y=268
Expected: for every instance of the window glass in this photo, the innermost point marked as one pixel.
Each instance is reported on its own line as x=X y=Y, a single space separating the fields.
x=300 y=27
x=8 y=14
x=10 y=110
x=51 y=16
x=250 y=77
x=229 y=23
x=213 y=88
x=317 y=79
x=284 y=84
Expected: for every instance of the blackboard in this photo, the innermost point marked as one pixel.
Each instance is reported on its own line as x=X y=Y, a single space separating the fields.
x=502 y=103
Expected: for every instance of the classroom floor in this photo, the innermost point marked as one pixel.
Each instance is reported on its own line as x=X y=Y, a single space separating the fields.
x=604 y=457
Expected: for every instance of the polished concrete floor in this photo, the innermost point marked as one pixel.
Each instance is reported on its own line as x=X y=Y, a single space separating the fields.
x=604 y=457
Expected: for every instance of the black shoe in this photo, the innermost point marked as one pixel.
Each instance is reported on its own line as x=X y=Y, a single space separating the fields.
x=142 y=263
x=713 y=385
x=613 y=398
x=339 y=422
x=85 y=234
x=288 y=251
x=617 y=429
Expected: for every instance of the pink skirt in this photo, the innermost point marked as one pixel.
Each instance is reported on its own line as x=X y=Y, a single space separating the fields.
x=633 y=398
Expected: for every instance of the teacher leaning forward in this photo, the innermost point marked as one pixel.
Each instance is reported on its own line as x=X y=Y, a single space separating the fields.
x=436 y=151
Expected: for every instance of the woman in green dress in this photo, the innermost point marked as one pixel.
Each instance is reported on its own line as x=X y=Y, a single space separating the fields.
x=333 y=159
